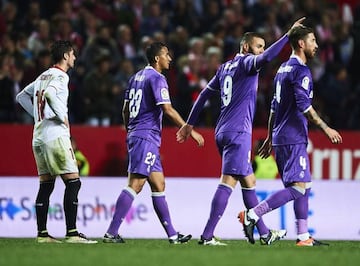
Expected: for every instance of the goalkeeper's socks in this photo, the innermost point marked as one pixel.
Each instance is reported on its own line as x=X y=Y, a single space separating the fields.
x=42 y=203
x=72 y=187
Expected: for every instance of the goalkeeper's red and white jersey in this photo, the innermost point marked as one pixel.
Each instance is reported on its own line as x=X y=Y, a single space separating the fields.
x=48 y=120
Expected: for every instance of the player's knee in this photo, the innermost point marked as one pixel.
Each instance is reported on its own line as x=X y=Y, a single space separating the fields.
x=45 y=190
x=298 y=191
x=136 y=187
x=73 y=185
x=158 y=187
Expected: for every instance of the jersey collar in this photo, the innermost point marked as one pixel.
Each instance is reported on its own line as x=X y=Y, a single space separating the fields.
x=298 y=59
x=55 y=66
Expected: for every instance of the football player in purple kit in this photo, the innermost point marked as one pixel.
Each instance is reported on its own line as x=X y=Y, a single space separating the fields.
x=288 y=134
x=236 y=82
x=146 y=100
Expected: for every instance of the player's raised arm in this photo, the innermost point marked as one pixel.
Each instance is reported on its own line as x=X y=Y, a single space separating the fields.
x=271 y=52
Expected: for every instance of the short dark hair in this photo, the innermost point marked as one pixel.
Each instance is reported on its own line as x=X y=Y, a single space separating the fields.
x=153 y=50
x=249 y=36
x=59 y=48
x=298 y=33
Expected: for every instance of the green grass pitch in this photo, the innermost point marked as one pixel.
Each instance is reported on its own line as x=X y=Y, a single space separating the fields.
x=158 y=252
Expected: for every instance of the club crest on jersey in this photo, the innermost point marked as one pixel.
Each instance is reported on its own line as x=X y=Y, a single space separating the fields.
x=165 y=94
x=305 y=83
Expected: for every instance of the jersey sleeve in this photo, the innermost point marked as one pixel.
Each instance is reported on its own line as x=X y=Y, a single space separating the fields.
x=59 y=81
x=249 y=64
x=56 y=107
x=271 y=52
x=303 y=90
x=24 y=98
x=214 y=83
x=160 y=90
x=212 y=87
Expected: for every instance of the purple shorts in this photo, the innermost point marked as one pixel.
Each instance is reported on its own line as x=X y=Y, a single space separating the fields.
x=293 y=163
x=235 y=151
x=144 y=156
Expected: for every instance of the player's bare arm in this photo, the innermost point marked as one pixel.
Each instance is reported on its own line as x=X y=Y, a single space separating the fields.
x=126 y=113
x=175 y=117
x=266 y=148
x=332 y=134
x=66 y=122
x=198 y=138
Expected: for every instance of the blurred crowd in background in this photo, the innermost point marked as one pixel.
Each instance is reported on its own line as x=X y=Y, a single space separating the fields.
x=110 y=37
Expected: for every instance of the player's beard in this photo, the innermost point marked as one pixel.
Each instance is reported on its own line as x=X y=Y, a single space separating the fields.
x=310 y=54
x=251 y=51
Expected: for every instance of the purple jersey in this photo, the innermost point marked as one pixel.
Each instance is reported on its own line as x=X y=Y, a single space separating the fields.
x=237 y=81
x=292 y=98
x=147 y=90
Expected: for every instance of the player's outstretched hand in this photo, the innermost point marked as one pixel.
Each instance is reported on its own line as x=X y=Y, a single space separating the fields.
x=265 y=149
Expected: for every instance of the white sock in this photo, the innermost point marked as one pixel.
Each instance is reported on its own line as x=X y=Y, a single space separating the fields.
x=253 y=215
x=174 y=237
x=304 y=236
